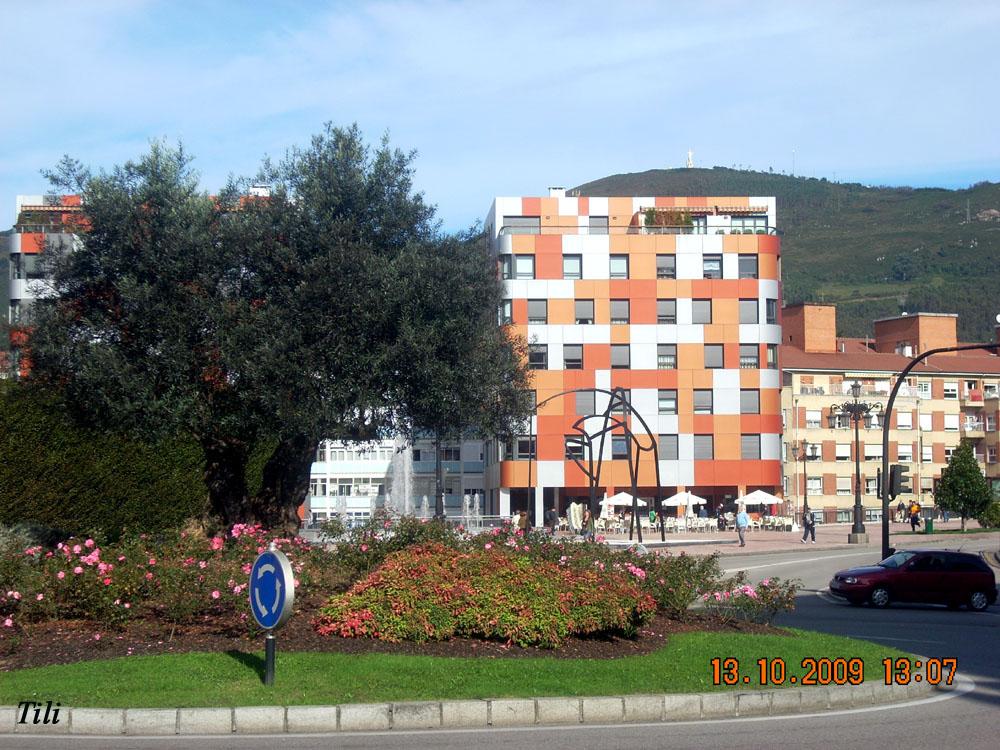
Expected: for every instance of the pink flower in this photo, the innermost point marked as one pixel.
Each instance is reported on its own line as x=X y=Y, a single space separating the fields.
x=246 y=569
x=8 y=623
x=237 y=590
x=77 y=549
x=97 y=636
x=39 y=597
x=102 y=567
x=152 y=561
x=77 y=570
x=202 y=564
x=217 y=542
x=89 y=543
x=107 y=581
x=127 y=605
x=60 y=575
x=121 y=558
x=16 y=595
x=489 y=545
x=216 y=594
x=149 y=576
x=364 y=547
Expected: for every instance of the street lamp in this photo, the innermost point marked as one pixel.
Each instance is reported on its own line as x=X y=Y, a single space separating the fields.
x=857 y=411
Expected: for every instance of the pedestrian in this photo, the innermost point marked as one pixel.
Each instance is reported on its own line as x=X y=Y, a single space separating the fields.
x=652 y=518
x=551 y=520
x=901 y=512
x=702 y=513
x=945 y=514
x=808 y=527
x=522 y=522
x=914 y=515
x=742 y=521
x=588 y=525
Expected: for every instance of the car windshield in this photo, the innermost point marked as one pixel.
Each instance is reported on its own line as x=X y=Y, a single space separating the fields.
x=894 y=561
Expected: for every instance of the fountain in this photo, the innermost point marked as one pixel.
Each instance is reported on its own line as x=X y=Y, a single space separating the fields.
x=401 y=472
x=425 y=511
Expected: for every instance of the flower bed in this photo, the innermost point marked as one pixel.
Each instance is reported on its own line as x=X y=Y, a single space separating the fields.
x=742 y=601
x=434 y=592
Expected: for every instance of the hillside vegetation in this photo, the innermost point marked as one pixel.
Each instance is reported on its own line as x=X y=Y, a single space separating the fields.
x=874 y=251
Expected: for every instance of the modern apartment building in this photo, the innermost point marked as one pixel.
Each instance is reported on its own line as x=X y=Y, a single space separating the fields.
x=948 y=398
x=675 y=300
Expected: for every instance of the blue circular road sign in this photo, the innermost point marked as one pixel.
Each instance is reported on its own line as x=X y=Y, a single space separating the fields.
x=272 y=589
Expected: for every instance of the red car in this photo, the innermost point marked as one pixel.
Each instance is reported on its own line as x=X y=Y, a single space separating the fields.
x=921 y=575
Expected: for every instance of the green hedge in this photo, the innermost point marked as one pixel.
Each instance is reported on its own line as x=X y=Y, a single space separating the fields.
x=86 y=481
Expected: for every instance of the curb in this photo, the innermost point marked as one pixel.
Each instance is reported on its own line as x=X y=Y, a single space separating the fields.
x=463 y=714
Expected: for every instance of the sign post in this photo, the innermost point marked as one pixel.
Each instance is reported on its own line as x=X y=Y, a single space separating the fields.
x=272 y=594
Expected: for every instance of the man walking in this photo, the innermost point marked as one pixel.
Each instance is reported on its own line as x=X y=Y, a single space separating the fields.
x=742 y=521
x=808 y=526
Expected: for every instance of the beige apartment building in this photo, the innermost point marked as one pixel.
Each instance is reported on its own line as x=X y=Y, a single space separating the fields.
x=948 y=398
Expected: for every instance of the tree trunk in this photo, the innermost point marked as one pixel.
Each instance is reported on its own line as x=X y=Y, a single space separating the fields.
x=285 y=483
x=963 y=523
x=225 y=479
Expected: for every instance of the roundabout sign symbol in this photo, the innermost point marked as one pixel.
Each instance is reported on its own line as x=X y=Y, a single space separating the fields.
x=272 y=596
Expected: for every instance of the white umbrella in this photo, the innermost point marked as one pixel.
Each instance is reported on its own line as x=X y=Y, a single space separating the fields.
x=759 y=497
x=622 y=498
x=684 y=498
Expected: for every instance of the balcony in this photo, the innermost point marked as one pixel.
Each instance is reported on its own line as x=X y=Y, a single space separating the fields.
x=972 y=396
x=974 y=428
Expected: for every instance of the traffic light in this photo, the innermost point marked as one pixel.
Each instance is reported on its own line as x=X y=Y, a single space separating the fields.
x=899 y=480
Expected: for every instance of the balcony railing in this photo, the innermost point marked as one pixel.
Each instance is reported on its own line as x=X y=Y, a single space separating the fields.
x=971 y=425
x=584 y=230
x=973 y=395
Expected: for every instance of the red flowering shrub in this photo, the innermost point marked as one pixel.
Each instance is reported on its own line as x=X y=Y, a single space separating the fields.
x=434 y=592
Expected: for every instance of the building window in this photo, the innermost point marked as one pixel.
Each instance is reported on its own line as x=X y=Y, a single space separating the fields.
x=666 y=401
x=618 y=267
x=772 y=356
x=843 y=485
x=748 y=311
x=451 y=454
x=871 y=487
x=814 y=418
x=904 y=420
x=666 y=266
x=749 y=401
x=991 y=423
x=951 y=391
x=748 y=266
x=572 y=266
x=506 y=266
x=703 y=401
x=843 y=451
x=749 y=356
x=522 y=225
x=814 y=485
x=991 y=454
x=524 y=266
x=506 y=312
x=905 y=452
x=666 y=356
x=620 y=359
x=585 y=403
x=619 y=312
x=619 y=446
x=949 y=451
x=584 y=311
x=575 y=447
x=321 y=452
x=701 y=311
x=750 y=447
x=711 y=266
x=618 y=405
x=538 y=356
x=704 y=446
x=525 y=448
x=951 y=422
x=873 y=451
x=538 y=312
x=926 y=422
x=598 y=225
x=927 y=454
x=573 y=356
x=771 y=311
x=416 y=455
x=666 y=311
x=667 y=448
x=749 y=225
x=924 y=388
x=713 y=356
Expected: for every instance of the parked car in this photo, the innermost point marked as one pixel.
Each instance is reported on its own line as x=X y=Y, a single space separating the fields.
x=926 y=576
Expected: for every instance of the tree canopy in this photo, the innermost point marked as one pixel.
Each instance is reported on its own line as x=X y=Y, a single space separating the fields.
x=310 y=309
x=962 y=488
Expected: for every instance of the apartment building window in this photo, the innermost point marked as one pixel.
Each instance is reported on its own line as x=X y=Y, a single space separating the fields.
x=317 y=486
x=927 y=484
x=926 y=422
x=713 y=356
x=618 y=267
x=321 y=452
x=575 y=447
x=951 y=422
x=451 y=454
x=573 y=356
x=524 y=266
x=538 y=311
x=991 y=454
x=949 y=451
x=701 y=311
x=814 y=485
x=904 y=420
x=871 y=488
x=749 y=225
x=666 y=266
x=522 y=224
x=619 y=312
x=598 y=225
x=840 y=422
x=711 y=266
x=991 y=423
x=814 y=418
x=749 y=401
x=990 y=390
x=951 y=391
x=524 y=448
x=619 y=446
x=416 y=455
x=843 y=485
x=666 y=356
x=619 y=405
x=506 y=266
x=538 y=356
x=750 y=447
x=749 y=356
x=620 y=359
x=667 y=448
x=843 y=451
x=748 y=266
x=927 y=454
x=666 y=401
x=873 y=451
x=748 y=311
x=583 y=310
x=666 y=311
x=703 y=401
x=771 y=311
x=585 y=403
x=572 y=266
x=506 y=312
x=772 y=356
x=905 y=453
x=704 y=446
x=924 y=388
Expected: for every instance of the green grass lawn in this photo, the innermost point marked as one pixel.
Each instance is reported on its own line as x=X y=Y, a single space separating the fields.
x=234 y=678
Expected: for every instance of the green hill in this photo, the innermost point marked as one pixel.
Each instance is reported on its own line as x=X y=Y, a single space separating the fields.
x=874 y=251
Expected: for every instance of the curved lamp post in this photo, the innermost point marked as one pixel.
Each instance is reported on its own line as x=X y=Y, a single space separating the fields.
x=857 y=411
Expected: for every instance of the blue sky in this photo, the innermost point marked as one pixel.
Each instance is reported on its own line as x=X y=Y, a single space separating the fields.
x=507 y=98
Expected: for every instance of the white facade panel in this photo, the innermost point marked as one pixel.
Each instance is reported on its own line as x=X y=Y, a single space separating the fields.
x=730 y=266
x=684 y=311
x=595 y=244
x=550 y=473
x=643 y=400
x=643 y=334
x=689 y=244
x=666 y=334
x=726 y=379
x=726 y=400
x=767 y=288
x=750 y=333
x=710 y=243
x=560 y=289
x=596 y=334
x=685 y=447
x=689 y=266
x=643 y=356
x=555 y=356
x=692 y=334
x=507 y=207
x=770 y=379
x=595 y=265
x=569 y=206
x=666 y=424
x=598 y=206
x=770 y=447
x=770 y=334
x=602 y=379
x=556 y=334
x=571 y=334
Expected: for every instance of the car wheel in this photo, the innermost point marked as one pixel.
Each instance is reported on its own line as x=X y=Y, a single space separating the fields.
x=979 y=601
x=879 y=597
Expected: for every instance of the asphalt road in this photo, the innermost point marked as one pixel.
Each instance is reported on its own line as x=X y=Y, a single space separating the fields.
x=968 y=718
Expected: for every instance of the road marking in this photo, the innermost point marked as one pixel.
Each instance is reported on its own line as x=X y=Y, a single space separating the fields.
x=796 y=561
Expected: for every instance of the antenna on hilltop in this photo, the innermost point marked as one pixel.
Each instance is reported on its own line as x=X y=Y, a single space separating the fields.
x=690 y=161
